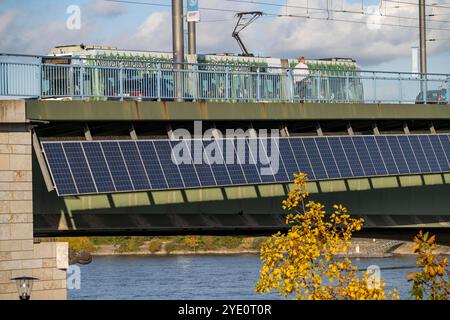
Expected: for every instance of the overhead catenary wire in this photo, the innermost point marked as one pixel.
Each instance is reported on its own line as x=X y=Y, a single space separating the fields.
x=278 y=5
x=361 y=12
x=441 y=6
x=169 y=5
x=362 y=22
x=277 y=15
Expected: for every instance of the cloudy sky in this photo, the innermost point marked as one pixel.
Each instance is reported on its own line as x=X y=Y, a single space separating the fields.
x=313 y=28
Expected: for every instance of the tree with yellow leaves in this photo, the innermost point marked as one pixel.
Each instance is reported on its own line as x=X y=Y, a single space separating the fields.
x=433 y=280
x=302 y=263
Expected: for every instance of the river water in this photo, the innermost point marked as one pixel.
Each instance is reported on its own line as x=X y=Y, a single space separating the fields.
x=201 y=277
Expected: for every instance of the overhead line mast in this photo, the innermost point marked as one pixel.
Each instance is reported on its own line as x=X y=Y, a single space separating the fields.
x=178 y=46
x=423 y=37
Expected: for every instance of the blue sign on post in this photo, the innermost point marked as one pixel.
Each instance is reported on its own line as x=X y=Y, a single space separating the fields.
x=193 y=13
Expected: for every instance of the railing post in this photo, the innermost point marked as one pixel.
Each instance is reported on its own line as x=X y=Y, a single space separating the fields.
x=347 y=87
x=374 y=84
x=41 y=78
x=194 y=82
x=81 y=80
x=121 y=82
x=318 y=87
x=158 y=81
x=424 y=87
x=258 y=85
x=227 y=84
x=400 y=91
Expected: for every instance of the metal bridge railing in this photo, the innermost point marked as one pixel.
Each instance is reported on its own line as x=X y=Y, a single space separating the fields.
x=115 y=79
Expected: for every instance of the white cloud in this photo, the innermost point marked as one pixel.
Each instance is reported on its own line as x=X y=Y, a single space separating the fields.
x=15 y=38
x=6 y=19
x=105 y=8
x=155 y=34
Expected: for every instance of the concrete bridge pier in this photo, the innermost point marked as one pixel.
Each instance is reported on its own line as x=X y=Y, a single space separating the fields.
x=20 y=255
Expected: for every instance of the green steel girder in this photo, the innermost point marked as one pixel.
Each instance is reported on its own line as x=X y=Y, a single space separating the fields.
x=54 y=110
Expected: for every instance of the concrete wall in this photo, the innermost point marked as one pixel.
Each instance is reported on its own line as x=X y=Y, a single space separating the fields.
x=19 y=255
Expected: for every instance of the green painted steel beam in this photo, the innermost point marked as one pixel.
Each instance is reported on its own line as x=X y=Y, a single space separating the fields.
x=53 y=110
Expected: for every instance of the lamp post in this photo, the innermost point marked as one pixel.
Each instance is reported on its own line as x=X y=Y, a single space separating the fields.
x=24 y=286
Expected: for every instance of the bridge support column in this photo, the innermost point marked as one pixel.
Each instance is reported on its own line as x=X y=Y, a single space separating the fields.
x=19 y=254
x=432 y=128
x=375 y=129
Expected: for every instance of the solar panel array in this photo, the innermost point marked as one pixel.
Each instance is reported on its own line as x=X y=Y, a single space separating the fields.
x=87 y=167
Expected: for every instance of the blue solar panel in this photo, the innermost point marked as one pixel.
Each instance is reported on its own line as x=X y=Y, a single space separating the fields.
x=328 y=158
x=364 y=157
x=409 y=154
x=231 y=162
x=277 y=162
x=289 y=161
x=99 y=167
x=186 y=165
x=271 y=156
x=60 y=170
x=388 y=158
x=152 y=165
x=247 y=152
x=429 y=153
x=398 y=154
x=419 y=154
x=79 y=167
x=375 y=155
x=117 y=166
x=352 y=156
x=303 y=162
x=314 y=158
x=135 y=165
x=170 y=169
x=439 y=152
x=264 y=162
x=445 y=142
x=214 y=157
x=340 y=157
x=202 y=166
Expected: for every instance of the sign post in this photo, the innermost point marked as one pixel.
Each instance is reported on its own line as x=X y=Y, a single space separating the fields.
x=193 y=13
x=192 y=17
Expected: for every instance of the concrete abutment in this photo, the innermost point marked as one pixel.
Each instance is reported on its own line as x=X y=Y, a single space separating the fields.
x=19 y=254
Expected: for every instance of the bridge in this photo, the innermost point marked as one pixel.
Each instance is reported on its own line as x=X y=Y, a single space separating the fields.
x=87 y=148
x=371 y=140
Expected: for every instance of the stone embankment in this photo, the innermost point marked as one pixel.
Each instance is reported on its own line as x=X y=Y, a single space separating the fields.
x=359 y=248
